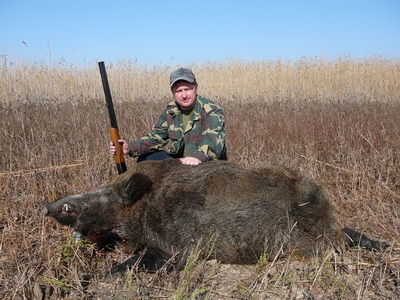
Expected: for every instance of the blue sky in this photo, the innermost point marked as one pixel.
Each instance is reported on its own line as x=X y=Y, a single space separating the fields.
x=178 y=32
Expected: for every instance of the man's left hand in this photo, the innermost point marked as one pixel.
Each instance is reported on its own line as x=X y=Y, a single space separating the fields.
x=190 y=161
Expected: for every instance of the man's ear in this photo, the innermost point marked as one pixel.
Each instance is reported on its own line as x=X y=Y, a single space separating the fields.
x=138 y=185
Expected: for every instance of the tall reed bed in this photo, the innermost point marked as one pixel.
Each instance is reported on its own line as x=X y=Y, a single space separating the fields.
x=343 y=79
x=337 y=121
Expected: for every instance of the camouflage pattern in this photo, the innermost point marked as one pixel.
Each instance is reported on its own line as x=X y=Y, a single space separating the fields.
x=182 y=74
x=204 y=137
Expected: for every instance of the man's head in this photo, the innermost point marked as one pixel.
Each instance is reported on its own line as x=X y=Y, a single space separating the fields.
x=182 y=74
x=184 y=88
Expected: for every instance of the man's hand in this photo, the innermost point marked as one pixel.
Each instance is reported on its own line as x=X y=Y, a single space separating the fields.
x=190 y=161
x=124 y=146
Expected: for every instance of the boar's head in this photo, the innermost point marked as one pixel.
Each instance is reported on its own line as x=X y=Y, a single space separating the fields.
x=97 y=215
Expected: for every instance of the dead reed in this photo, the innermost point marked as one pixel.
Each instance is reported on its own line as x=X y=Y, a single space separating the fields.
x=317 y=79
x=337 y=121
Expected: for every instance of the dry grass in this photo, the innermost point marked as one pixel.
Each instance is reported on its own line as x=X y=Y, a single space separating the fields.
x=338 y=121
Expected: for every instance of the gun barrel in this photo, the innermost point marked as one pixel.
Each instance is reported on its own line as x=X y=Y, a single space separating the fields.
x=107 y=93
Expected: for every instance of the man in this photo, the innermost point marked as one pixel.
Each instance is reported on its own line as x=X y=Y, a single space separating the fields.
x=192 y=128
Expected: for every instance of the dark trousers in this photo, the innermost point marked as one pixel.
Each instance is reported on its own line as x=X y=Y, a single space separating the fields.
x=159 y=155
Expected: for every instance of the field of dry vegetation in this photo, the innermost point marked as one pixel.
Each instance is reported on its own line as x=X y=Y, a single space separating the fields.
x=334 y=120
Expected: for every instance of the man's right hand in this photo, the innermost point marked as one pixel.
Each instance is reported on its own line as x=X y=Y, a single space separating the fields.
x=124 y=146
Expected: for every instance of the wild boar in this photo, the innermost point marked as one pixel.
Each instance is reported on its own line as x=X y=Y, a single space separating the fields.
x=165 y=208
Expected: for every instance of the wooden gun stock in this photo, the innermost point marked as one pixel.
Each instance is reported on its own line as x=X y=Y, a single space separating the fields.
x=119 y=154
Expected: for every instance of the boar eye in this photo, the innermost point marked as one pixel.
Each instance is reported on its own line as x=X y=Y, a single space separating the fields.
x=66 y=208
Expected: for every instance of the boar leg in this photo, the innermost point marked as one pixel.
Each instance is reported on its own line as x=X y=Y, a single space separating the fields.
x=150 y=261
x=357 y=239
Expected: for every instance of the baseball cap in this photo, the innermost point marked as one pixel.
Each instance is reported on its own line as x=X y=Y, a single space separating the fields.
x=182 y=74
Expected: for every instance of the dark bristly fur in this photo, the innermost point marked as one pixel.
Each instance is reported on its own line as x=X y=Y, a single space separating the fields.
x=167 y=207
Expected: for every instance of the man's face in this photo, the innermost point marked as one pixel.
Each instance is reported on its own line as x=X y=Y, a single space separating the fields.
x=185 y=94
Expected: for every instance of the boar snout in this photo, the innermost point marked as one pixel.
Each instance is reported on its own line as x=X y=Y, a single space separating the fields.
x=64 y=213
x=45 y=210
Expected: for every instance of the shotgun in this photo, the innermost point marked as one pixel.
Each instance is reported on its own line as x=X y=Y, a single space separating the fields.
x=119 y=154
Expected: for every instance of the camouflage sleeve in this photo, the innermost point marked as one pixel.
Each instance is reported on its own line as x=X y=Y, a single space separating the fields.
x=212 y=141
x=156 y=139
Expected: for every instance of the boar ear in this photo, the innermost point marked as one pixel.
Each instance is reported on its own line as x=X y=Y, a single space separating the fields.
x=136 y=187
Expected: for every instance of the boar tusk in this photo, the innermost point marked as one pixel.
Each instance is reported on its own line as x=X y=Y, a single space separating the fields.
x=66 y=208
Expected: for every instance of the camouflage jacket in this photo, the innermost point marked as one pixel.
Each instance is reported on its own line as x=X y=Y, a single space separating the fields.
x=204 y=137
